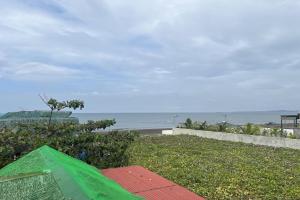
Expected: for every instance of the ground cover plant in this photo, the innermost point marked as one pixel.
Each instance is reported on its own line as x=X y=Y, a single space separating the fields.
x=220 y=169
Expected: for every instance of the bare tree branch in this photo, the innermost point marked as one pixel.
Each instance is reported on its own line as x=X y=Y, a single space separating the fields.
x=44 y=99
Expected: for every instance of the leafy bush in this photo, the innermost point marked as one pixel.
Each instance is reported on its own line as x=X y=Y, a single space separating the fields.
x=59 y=128
x=195 y=125
x=275 y=132
x=100 y=150
x=222 y=127
x=188 y=123
x=250 y=129
x=95 y=125
x=201 y=125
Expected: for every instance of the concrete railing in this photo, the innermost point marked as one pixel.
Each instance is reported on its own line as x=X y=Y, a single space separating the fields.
x=258 y=140
x=167 y=132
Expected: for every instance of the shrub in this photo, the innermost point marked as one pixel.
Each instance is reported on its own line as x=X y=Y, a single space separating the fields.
x=203 y=125
x=250 y=129
x=59 y=128
x=274 y=132
x=100 y=150
x=188 y=123
x=222 y=127
x=95 y=125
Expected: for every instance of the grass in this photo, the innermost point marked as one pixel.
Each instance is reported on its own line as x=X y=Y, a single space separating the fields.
x=221 y=170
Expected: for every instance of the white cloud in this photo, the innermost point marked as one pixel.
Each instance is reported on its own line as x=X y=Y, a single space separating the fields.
x=157 y=47
x=39 y=72
x=160 y=71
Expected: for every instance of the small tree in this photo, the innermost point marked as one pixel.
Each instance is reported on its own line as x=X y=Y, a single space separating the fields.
x=188 y=123
x=55 y=105
x=222 y=127
x=250 y=129
x=203 y=125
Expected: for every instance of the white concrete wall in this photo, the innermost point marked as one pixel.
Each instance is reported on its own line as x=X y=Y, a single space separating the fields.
x=258 y=140
x=167 y=132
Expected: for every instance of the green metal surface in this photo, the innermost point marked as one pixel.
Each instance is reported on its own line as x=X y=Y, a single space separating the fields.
x=60 y=177
x=30 y=186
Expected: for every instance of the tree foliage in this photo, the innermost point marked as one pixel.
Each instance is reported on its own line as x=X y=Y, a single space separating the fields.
x=82 y=141
x=95 y=125
x=188 y=123
x=250 y=129
x=195 y=125
x=55 y=105
x=222 y=127
x=99 y=149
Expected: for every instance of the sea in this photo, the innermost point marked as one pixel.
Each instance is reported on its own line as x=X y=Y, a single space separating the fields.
x=170 y=120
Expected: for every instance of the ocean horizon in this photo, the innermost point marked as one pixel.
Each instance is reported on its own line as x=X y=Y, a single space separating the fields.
x=172 y=119
x=158 y=120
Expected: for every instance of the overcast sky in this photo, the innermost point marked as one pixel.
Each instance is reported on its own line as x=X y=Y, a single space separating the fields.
x=151 y=56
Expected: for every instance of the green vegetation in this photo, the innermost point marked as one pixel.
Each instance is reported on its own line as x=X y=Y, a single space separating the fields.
x=248 y=129
x=77 y=140
x=210 y=168
x=188 y=123
x=276 y=132
x=95 y=125
x=223 y=127
x=219 y=169
x=55 y=105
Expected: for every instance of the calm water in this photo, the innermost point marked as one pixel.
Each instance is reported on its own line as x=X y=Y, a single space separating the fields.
x=169 y=120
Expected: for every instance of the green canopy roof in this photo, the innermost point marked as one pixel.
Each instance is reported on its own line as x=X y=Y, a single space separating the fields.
x=49 y=174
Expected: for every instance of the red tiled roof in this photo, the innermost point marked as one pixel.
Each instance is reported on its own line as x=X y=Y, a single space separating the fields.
x=149 y=185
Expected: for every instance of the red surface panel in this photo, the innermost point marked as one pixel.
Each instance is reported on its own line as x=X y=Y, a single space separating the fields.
x=149 y=185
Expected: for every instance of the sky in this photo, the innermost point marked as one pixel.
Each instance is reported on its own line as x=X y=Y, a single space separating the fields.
x=151 y=56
